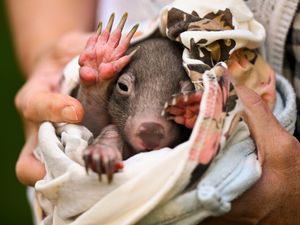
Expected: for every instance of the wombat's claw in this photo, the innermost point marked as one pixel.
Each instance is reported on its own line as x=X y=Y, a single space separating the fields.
x=97 y=162
x=102 y=160
x=99 y=28
x=110 y=22
x=86 y=161
x=183 y=108
x=109 y=165
x=104 y=55
x=123 y=21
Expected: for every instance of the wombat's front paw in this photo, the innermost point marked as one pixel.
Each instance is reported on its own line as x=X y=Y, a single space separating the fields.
x=103 y=159
x=103 y=56
x=183 y=108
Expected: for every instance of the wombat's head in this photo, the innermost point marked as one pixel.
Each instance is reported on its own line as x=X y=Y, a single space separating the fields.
x=138 y=97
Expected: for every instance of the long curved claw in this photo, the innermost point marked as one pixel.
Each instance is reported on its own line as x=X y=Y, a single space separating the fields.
x=104 y=56
x=99 y=28
x=122 y=21
x=110 y=170
x=103 y=160
x=98 y=165
x=86 y=159
x=110 y=22
x=132 y=31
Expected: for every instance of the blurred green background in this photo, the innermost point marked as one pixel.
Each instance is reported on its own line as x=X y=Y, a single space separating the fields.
x=13 y=202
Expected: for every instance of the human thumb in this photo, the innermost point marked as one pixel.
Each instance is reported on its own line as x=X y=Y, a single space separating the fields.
x=263 y=126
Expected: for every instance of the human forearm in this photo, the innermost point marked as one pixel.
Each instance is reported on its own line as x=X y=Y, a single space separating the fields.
x=37 y=25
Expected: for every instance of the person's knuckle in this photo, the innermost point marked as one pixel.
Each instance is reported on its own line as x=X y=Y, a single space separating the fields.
x=287 y=154
x=51 y=112
x=288 y=142
x=29 y=107
x=18 y=101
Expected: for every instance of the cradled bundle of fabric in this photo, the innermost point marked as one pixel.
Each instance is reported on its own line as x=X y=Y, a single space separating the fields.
x=219 y=34
x=170 y=186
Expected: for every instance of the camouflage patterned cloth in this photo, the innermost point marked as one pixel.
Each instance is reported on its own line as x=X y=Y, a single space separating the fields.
x=281 y=49
x=221 y=40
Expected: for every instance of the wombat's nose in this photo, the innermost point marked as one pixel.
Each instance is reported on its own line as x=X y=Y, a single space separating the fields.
x=150 y=134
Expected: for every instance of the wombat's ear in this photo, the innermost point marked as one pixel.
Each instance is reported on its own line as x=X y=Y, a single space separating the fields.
x=186 y=86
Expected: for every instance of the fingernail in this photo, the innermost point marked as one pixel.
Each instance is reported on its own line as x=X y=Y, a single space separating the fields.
x=69 y=113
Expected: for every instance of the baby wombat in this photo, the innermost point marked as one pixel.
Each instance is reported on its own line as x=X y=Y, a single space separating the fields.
x=154 y=74
x=123 y=97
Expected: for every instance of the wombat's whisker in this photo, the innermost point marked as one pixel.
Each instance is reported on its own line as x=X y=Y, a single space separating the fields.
x=123 y=21
x=118 y=112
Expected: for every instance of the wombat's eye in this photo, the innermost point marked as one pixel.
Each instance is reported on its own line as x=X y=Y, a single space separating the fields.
x=124 y=84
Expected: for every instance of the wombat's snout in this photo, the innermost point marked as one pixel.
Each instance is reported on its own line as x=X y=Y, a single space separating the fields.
x=151 y=134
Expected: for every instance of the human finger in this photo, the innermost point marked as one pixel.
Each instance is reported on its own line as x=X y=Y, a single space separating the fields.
x=271 y=138
x=46 y=106
x=28 y=168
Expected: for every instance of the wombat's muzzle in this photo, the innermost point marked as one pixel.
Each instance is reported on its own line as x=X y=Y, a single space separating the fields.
x=151 y=135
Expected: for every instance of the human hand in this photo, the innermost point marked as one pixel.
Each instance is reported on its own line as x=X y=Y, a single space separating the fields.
x=39 y=100
x=275 y=198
